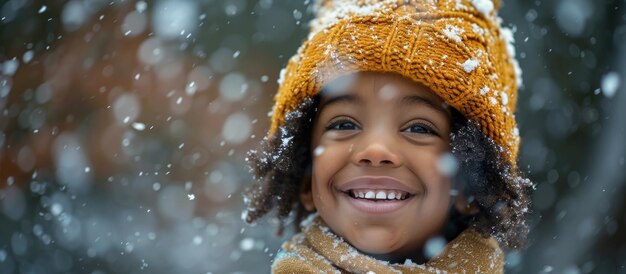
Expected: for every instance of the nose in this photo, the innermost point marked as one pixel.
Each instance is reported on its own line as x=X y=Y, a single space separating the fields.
x=377 y=154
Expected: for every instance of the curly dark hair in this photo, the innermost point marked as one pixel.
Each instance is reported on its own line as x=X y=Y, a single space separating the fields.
x=282 y=165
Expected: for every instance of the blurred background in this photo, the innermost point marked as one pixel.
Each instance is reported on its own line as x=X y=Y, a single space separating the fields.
x=124 y=126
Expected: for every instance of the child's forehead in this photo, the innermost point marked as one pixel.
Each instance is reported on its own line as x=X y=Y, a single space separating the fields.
x=372 y=91
x=361 y=86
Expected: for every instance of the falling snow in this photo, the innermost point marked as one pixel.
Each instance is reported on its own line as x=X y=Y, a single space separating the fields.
x=125 y=126
x=610 y=84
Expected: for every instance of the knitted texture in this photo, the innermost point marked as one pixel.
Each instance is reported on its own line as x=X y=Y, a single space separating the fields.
x=318 y=250
x=454 y=47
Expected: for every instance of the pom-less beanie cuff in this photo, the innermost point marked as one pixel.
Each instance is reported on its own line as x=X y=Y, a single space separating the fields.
x=454 y=47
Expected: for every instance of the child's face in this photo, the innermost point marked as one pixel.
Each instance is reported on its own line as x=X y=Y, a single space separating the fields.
x=380 y=136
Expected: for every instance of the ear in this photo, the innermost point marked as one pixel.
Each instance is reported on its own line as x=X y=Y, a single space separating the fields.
x=465 y=206
x=306 y=194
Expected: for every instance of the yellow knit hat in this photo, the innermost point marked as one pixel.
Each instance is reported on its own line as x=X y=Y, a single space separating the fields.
x=454 y=47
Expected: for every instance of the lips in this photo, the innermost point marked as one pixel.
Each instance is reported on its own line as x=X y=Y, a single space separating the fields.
x=379 y=194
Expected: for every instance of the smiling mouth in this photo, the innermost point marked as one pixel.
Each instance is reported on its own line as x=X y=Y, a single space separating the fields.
x=378 y=195
x=375 y=195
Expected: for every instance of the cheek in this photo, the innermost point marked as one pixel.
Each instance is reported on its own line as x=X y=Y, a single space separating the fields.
x=425 y=163
x=328 y=159
x=326 y=162
x=436 y=184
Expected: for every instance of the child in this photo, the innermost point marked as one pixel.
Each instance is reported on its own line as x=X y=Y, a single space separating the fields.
x=393 y=142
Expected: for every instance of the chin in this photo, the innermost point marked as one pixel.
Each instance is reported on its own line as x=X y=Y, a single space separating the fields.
x=376 y=243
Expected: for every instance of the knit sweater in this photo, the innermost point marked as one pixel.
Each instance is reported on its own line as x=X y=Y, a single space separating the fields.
x=317 y=250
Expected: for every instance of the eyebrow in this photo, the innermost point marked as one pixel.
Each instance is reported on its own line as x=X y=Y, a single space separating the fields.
x=414 y=99
x=406 y=101
x=340 y=99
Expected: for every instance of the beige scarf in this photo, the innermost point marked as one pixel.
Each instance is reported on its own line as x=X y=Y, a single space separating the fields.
x=318 y=250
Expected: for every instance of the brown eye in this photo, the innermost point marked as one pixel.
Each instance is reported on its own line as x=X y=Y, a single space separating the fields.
x=342 y=125
x=418 y=128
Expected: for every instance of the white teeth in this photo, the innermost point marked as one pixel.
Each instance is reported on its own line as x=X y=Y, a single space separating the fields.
x=379 y=194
